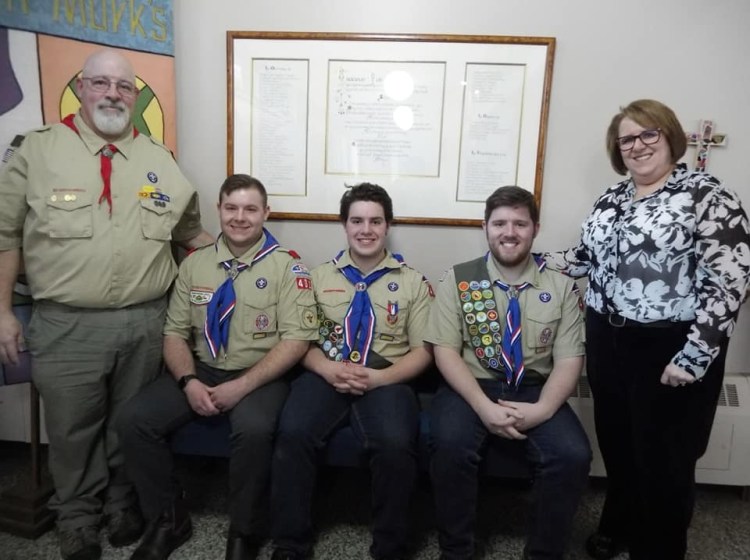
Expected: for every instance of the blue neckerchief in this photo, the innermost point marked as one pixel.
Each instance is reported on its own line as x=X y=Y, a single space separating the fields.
x=512 y=347
x=359 y=322
x=221 y=306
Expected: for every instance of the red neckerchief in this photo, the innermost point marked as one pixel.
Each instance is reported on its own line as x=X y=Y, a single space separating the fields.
x=105 y=157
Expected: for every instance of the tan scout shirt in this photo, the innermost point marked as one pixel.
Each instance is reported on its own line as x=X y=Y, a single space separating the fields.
x=274 y=301
x=407 y=288
x=551 y=319
x=75 y=252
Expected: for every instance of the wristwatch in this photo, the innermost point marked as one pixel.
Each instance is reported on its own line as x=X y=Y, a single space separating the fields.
x=185 y=379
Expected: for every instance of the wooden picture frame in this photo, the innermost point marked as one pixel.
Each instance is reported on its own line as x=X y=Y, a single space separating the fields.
x=440 y=121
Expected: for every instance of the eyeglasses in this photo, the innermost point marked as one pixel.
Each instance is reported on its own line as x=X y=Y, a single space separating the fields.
x=648 y=137
x=101 y=84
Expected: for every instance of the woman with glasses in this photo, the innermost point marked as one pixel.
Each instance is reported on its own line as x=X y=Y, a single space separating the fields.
x=667 y=256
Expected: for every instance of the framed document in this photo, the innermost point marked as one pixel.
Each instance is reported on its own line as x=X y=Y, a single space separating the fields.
x=439 y=121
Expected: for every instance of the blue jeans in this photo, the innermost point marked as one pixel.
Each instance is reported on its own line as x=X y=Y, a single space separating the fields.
x=558 y=450
x=385 y=420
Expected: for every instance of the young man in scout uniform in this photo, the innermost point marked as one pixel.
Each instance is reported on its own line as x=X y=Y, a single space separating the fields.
x=508 y=339
x=94 y=205
x=241 y=314
x=374 y=312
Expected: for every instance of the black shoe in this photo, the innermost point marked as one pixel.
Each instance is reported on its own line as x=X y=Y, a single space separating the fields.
x=281 y=554
x=242 y=547
x=125 y=526
x=168 y=532
x=80 y=544
x=602 y=547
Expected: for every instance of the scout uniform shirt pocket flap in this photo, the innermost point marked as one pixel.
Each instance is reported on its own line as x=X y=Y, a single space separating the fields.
x=259 y=318
x=156 y=219
x=540 y=328
x=69 y=214
x=391 y=316
x=334 y=303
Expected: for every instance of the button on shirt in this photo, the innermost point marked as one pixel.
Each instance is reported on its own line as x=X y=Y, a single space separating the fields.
x=75 y=252
x=679 y=254
x=551 y=319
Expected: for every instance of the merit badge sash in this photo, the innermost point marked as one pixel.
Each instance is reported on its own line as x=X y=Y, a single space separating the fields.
x=331 y=342
x=479 y=310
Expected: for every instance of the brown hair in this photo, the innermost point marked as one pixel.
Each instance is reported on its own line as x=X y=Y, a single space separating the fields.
x=242 y=181
x=647 y=113
x=514 y=197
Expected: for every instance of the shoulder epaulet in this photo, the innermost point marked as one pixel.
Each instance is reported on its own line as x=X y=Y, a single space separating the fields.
x=156 y=142
x=197 y=250
x=291 y=252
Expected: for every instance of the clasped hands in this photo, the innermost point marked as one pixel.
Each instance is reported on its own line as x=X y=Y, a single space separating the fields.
x=210 y=401
x=348 y=377
x=509 y=419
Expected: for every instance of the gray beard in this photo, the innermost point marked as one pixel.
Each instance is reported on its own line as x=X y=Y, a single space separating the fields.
x=111 y=125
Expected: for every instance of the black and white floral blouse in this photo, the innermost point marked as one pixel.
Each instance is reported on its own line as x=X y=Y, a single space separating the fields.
x=679 y=254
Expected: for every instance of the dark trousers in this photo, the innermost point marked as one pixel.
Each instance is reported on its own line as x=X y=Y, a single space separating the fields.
x=650 y=435
x=558 y=449
x=385 y=420
x=161 y=408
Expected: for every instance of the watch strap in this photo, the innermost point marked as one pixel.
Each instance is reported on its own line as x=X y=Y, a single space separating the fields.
x=183 y=381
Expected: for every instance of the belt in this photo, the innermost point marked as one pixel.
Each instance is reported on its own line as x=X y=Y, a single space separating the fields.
x=617 y=320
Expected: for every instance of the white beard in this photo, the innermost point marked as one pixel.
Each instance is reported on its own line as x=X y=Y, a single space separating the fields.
x=112 y=124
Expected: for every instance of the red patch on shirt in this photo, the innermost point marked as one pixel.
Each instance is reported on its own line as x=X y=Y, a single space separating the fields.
x=304 y=283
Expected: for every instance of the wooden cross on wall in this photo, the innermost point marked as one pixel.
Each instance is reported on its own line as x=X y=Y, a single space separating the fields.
x=704 y=140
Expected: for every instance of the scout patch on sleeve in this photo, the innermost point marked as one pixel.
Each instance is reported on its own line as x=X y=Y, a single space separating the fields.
x=14 y=145
x=309 y=316
x=200 y=296
x=304 y=283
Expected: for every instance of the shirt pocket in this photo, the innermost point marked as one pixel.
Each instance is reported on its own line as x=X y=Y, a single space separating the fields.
x=540 y=330
x=389 y=323
x=70 y=215
x=259 y=318
x=334 y=305
x=156 y=221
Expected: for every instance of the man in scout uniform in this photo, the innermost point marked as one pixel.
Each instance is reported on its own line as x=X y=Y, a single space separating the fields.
x=374 y=312
x=94 y=205
x=241 y=314
x=508 y=339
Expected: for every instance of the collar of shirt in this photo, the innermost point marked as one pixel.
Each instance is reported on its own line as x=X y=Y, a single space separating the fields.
x=530 y=274
x=674 y=182
x=94 y=143
x=389 y=261
x=224 y=254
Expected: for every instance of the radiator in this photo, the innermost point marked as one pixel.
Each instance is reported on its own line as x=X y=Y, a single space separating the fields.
x=727 y=459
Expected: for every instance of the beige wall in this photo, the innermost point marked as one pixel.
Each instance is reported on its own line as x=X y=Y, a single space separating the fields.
x=689 y=54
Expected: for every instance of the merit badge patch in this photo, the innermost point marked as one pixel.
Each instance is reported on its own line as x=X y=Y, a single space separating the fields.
x=200 y=297
x=262 y=321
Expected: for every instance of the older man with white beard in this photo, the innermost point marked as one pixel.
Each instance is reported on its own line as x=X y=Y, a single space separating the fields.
x=93 y=204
